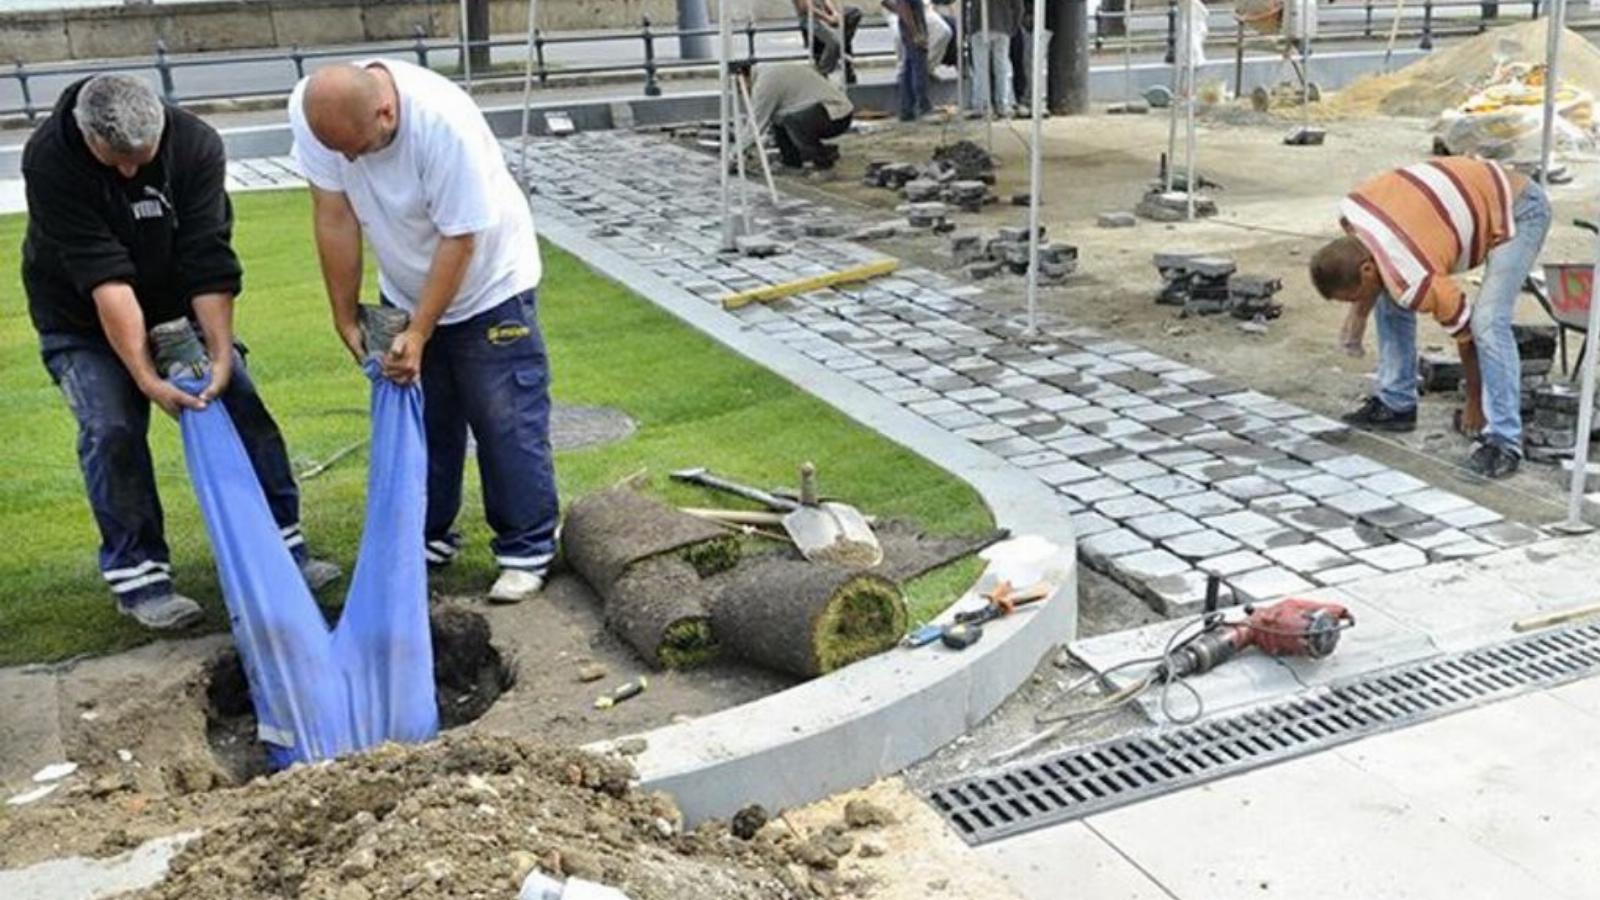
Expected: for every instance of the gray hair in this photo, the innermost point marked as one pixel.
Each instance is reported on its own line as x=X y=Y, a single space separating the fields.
x=121 y=110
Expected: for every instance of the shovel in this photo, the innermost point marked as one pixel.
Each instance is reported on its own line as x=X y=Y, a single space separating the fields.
x=829 y=532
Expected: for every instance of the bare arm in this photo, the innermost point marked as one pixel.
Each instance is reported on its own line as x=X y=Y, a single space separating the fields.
x=1352 y=335
x=123 y=322
x=445 y=274
x=215 y=312
x=339 y=249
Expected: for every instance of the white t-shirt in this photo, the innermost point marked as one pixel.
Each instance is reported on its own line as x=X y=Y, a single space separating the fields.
x=442 y=176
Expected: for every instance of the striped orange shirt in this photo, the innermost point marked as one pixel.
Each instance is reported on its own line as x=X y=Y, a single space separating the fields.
x=1425 y=222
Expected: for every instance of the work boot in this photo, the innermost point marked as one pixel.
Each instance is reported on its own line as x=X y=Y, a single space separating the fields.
x=171 y=612
x=1373 y=415
x=515 y=586
x=319 y=573
x=1493 y=462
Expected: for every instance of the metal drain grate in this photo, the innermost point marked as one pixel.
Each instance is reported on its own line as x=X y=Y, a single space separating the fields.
x=1112 y=773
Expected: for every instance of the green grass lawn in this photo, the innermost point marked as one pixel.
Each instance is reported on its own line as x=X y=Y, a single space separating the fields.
x=695 y=403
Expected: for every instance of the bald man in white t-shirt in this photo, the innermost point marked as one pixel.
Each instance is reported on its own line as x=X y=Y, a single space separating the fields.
x=401 y=156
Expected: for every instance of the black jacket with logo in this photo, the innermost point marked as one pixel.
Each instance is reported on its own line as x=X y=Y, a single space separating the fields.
x=166 y=231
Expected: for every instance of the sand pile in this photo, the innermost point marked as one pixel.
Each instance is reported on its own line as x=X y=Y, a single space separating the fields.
x=466 y=816
x=1446 y=78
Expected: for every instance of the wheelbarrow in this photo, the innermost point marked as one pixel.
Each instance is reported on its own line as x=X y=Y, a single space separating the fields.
x=1564 y=290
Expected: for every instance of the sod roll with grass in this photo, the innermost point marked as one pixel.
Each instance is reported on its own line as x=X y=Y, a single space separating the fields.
x=646 y=561
x=806 y=619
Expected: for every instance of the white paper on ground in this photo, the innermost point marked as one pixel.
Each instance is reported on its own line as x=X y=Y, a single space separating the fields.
x=30 y=796
x=55 y=772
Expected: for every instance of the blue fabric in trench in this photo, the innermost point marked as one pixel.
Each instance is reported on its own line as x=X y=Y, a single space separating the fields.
x=318 y=692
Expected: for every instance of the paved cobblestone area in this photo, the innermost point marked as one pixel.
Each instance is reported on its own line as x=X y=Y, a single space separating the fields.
x=1171 y=471
x=262 y=174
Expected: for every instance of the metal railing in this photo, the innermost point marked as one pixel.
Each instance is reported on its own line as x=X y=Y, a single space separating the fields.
x=1144 y=30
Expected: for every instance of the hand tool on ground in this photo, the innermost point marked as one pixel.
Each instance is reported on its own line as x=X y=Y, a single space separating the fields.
x=966 y=627
x=1302 y=628
x=1560 y=617
x=829 y=531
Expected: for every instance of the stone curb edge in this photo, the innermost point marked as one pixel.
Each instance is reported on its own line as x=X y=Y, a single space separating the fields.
x=878 y=716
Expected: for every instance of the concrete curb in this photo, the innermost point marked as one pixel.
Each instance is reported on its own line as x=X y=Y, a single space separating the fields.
x=878 y=716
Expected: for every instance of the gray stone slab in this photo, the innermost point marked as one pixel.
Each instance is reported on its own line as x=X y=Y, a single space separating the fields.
x=1163 y=525
x=1345 y=574
x=986 y=432
x=1238 y=524
x=1122 y=508
x=1358 y=502
x=1503 y=534
x=1354 y=537
x=1060 y=402
x=1133 y=470
x=1015 y=447
x=1314 y=519
x=1204 y=504
x=1035 y=460
x=1433 y=502
x=1470 y=517
x=1312 y=451
x=1428 y=534
x=1199 y=545
x=1276 y=537
x=1087 y=416
x=1167 y=487
x=1146 y=442
x=1390 y=482
x=1285 y=469
x=1087 y=524
x=1099 y=549
x=1235 y=563
x=1213 y=472
x=1151 y=412
x=1249 y=487
x=1111 y=429
x=1078 y=446
x=1147 y=565
x=1260 y=585
x=1095 y=490
x=1065 y=473
x=973 y=394
x=1394 y=517
x=1351 y=467
x=1308 y=558
x=1183 y=594
x=1320 y=486
x=1470 y=549
x=1281 y=503
x=936 y=407
x=1392 y=557
x=1175 y=458
x=959 y=418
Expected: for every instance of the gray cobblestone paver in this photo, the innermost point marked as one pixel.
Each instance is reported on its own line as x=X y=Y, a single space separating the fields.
x=1144 y=447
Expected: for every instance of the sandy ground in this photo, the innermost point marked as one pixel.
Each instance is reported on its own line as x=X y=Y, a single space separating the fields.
x=1278 y=204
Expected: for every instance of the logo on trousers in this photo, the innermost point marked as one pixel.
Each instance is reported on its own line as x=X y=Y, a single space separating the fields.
x=507 y=332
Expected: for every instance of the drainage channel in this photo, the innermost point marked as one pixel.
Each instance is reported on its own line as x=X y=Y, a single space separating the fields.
x=1097 y=777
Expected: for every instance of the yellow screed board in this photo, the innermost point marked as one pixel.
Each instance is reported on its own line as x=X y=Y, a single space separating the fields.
x=814 y=283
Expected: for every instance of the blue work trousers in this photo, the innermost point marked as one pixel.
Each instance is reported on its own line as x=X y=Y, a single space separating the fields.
x=490 y=374
x=114 y=454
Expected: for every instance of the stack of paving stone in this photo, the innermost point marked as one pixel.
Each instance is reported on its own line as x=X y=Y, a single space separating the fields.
x=1008 y=251
x=1161 y=205
x=1170 y=472
x=890 y=174
x=1210 y=285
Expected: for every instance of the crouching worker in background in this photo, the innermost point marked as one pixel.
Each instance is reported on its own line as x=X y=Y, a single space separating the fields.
x=1407 y=233
x=129 y=227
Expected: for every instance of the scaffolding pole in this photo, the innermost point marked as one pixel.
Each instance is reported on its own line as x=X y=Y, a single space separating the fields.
x=527 y=95
x=1552 y=57
x=724 y=39
x=1035 y=163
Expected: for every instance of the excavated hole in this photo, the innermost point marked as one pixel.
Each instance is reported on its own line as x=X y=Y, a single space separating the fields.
x=469 y=675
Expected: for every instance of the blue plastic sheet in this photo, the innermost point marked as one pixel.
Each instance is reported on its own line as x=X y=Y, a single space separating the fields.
x=318 y=692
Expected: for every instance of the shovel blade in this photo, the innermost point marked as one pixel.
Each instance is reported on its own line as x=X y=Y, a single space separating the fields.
x=834 y=533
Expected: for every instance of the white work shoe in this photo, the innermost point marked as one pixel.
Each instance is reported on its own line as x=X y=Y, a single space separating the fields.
x=169 y=613
x=319 y=573
x=515 y=586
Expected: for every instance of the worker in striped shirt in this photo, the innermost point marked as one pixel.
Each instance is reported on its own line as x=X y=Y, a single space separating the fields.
x=1407 y=234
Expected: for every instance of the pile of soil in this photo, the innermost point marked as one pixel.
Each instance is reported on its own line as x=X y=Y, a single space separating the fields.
x=1447 y=78
x=464 y=816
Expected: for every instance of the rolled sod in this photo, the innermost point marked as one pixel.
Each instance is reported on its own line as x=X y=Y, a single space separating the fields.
x=806 y=619
x=646 y=560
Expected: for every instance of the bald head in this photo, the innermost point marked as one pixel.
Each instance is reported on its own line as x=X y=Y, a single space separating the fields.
x=351 y=109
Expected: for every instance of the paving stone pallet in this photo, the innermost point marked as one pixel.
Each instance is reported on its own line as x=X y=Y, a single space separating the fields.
x=1170 y=471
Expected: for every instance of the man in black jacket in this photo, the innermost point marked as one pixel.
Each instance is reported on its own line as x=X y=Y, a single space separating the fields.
x=129 y=227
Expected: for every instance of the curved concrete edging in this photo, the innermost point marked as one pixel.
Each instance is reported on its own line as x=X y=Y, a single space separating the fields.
x=880 y=715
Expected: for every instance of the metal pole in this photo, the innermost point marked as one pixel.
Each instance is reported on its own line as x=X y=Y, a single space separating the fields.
x=1035 y=182
x=724 y=37
x=1172 y=103
x=1127 y=56
x=961 y=63
x=692 y=16
x=988 y=102
x=1552 y=56
x=1188 y=104
x=466 y=56
x=1580 y=448
x=527 y=97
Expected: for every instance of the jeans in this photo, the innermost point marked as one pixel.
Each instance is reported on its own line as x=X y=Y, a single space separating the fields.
x=1506 y=270
x=799 y=136
x=991 y=72
x=114 y=454
x=913 y=84
x=825 y=47
x=490 y=373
